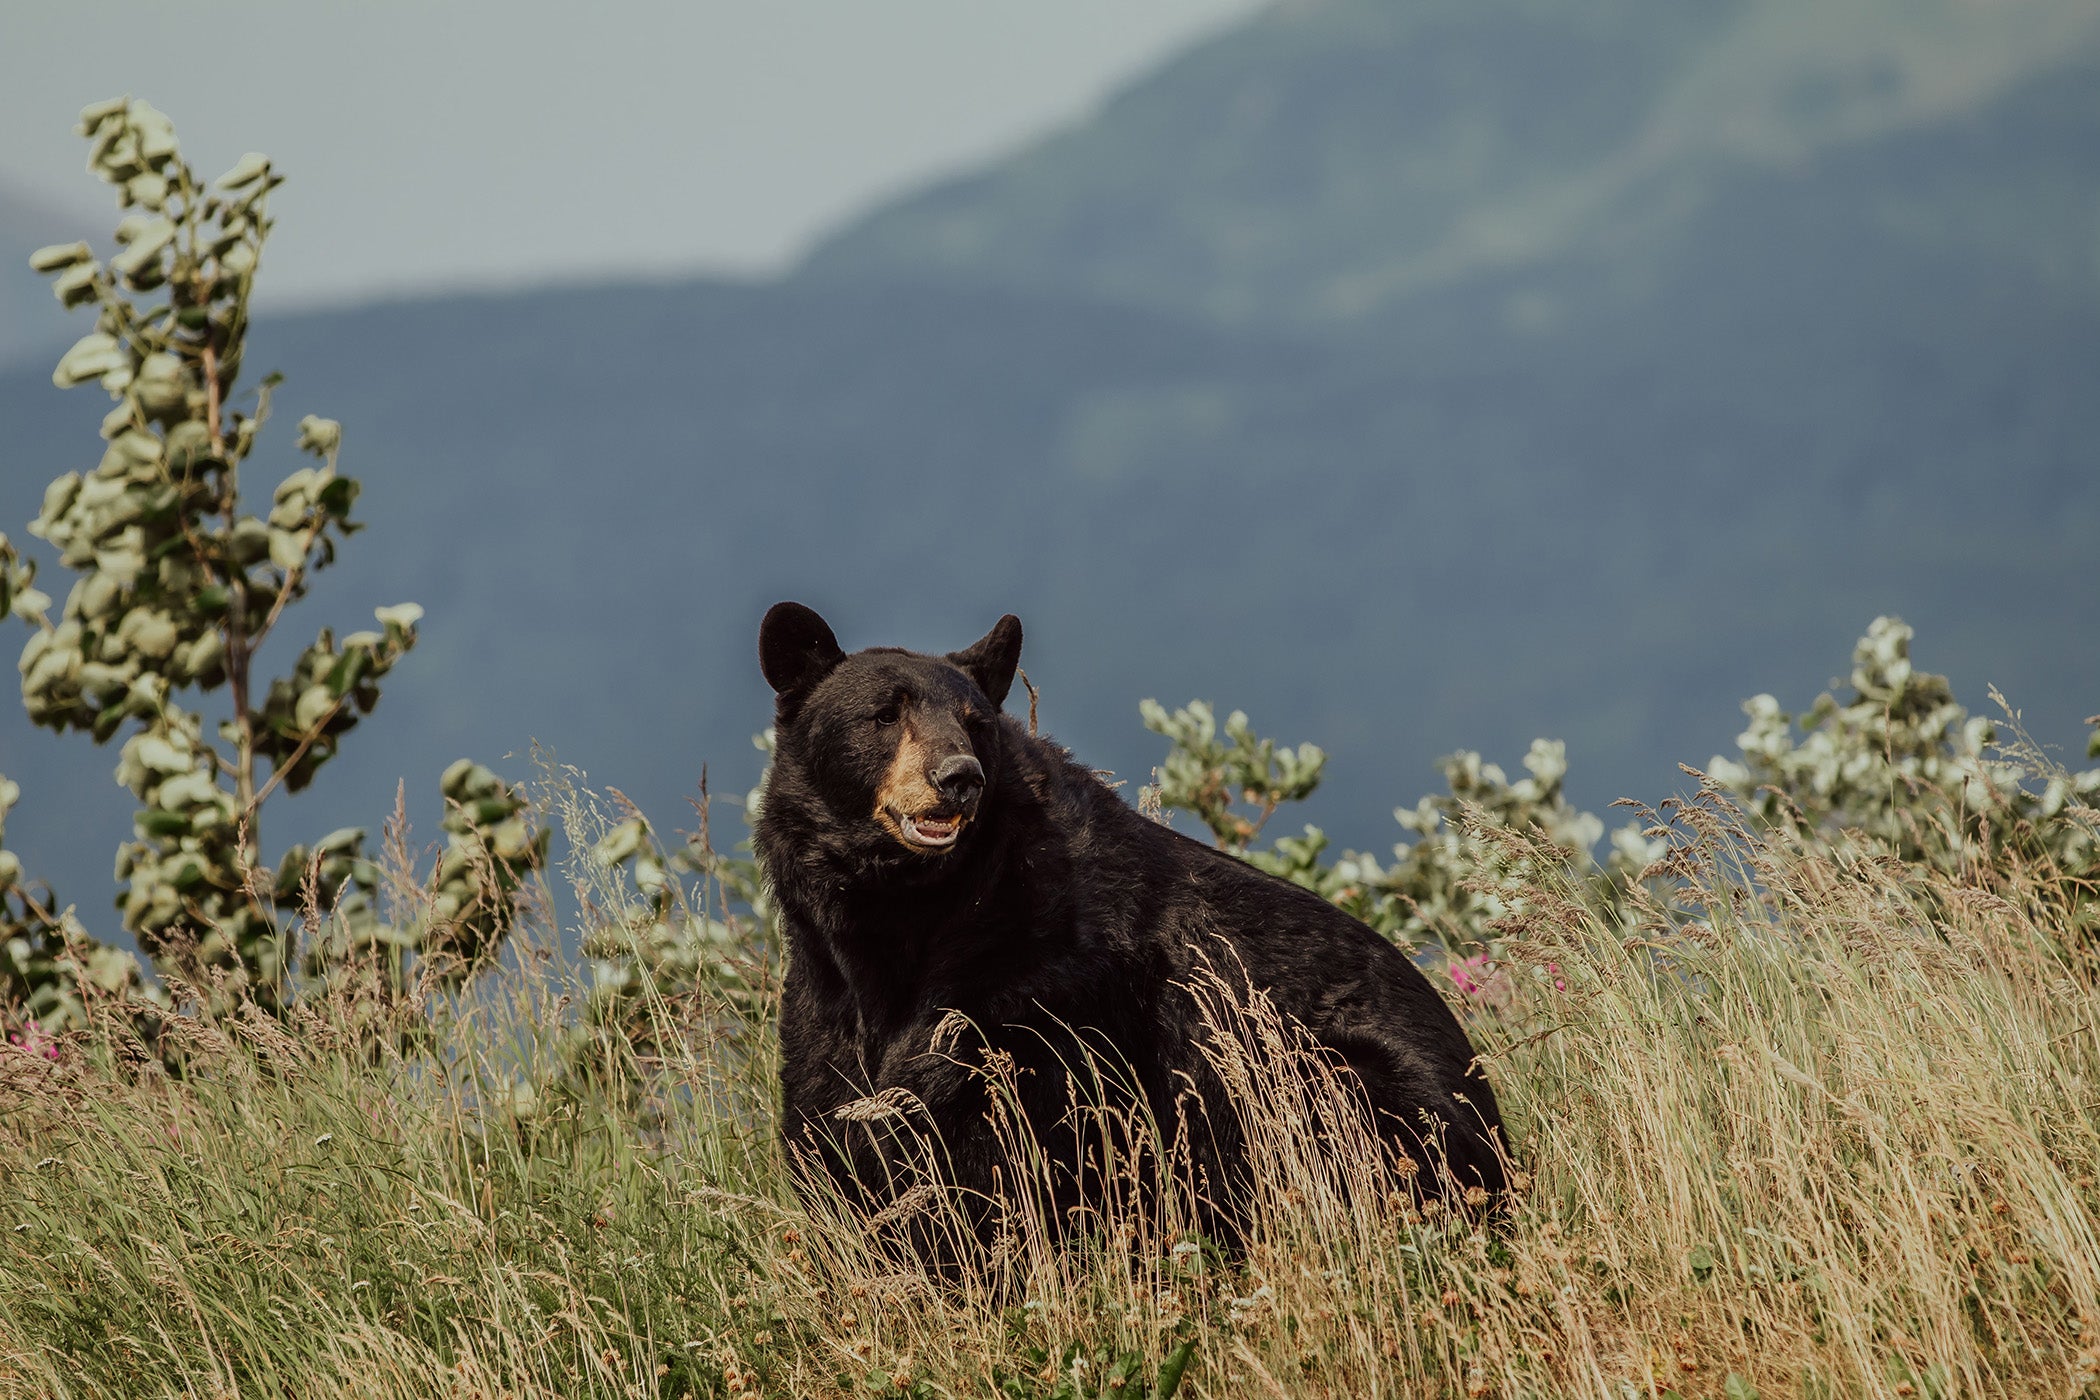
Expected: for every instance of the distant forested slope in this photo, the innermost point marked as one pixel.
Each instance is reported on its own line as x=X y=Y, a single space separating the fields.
x=1413 y=377
x=29 y=320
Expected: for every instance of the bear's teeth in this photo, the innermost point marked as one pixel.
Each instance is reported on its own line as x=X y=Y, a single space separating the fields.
x=933 y=830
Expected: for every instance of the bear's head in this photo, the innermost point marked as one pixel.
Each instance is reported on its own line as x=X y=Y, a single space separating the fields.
x=898 y=749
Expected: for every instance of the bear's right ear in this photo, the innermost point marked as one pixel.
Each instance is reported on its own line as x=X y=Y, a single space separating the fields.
x=990 y=660
x=795 y=648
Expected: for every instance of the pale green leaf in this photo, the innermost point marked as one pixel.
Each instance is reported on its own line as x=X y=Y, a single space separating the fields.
x=56 y=257
x=246 y=171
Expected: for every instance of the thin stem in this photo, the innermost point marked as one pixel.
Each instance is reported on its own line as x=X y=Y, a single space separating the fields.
x=238 y=647
x=306 y=741
x=1268 y=810
x=35 y=908
x=292 y=580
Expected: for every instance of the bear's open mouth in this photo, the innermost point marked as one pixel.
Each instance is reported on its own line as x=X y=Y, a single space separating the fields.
x=930 y=831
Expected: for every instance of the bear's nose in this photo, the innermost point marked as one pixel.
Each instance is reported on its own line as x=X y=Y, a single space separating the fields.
x=959 y=778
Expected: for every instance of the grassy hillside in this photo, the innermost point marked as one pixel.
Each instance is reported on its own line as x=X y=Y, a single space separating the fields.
x=1832 y=1139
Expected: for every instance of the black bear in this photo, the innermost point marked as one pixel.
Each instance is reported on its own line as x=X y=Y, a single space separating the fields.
x=930 y=856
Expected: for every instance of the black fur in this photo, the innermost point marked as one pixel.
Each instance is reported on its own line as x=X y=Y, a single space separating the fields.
x=1058 y=912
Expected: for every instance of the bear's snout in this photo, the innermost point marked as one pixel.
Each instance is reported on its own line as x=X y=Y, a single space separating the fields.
x=934 y=785
x=959 y=779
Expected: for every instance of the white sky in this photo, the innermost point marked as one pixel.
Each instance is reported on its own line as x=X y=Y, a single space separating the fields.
x=444 y=144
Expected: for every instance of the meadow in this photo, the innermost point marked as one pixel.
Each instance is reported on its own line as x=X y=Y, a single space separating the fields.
x=1817 y=1121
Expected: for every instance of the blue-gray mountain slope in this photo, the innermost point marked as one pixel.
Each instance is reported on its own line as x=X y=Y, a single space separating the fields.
x=1828 y=357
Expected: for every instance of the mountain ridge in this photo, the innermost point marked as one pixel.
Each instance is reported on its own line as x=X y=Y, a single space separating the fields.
x=1670 y=89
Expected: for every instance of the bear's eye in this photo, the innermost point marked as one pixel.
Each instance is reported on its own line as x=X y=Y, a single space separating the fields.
x=887 y=715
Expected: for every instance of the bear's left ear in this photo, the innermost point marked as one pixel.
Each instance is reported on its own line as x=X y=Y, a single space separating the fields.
x=795 y=648
x=990 y=661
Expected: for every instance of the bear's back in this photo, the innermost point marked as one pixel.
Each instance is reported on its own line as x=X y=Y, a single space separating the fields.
x=1178 y=910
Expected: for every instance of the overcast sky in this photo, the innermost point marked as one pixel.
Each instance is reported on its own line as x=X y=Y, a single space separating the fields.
x=500 y=141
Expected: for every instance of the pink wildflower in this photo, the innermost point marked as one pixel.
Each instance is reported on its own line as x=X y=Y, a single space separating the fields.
x=32 y=1038
x=1473 y=974
x=1487 y=986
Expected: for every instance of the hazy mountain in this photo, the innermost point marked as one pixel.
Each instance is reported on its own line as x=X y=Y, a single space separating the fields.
x=1338 y=158
x=1381 y=370
x=29 y=322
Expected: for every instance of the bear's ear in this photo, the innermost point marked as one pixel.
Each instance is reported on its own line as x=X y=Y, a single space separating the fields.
x=795 y=648
x=990 y=661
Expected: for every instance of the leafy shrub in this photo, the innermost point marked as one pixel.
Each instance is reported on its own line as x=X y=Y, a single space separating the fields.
x=666 y=924
x=1897 y=766
x=1447 y=887
x=1900 y=766
x=179 y=584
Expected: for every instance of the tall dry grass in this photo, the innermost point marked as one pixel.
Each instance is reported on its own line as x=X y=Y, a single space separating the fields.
x=1824 y=1125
